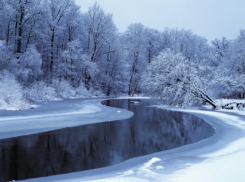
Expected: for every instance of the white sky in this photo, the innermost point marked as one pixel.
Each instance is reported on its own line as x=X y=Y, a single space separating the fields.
x=208 y=18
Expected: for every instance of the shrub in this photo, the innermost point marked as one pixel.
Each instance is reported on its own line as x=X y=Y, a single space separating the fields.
x=40 y=91
x=11 y=95
x=63 y=88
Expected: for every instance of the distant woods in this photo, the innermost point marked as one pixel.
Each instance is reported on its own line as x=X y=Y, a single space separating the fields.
x=51 y=47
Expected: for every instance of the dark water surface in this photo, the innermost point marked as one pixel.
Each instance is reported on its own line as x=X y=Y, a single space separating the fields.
x=97 y=145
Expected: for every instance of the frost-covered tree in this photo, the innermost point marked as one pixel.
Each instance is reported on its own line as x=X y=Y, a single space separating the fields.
x=191 y=46
x=175 y=80
x=230 y=72
x=219 y=51
x=113 y=69
x=29 y=64
x=57 y=14
x=7 y=59
x=99 y=27
x=74 y=65
x=19 y=21
x=153 y=43
x=135 y=43
x=99 y=33
x=51 y=44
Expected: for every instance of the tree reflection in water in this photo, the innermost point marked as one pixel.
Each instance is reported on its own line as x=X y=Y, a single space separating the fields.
x=97 y=145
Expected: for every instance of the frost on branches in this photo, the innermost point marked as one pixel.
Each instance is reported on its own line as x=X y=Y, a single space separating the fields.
x=11 y=96
x=176 y=81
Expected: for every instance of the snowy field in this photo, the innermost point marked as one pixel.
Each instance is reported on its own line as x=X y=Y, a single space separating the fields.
x=220 y=158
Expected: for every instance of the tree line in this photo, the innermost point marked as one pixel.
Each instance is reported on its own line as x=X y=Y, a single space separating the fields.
x=50 y=49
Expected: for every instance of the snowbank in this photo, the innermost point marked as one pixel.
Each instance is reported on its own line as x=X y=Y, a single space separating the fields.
x=57 y=114
x=218 y=158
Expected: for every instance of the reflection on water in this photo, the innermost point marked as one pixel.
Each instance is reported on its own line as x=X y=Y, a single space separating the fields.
x=92 y=146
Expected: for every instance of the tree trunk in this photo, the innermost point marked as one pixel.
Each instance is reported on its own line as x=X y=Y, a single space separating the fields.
x=52 y=53
x=207 y=99
x=133 y=72
x=108 y=90
x=20 y=31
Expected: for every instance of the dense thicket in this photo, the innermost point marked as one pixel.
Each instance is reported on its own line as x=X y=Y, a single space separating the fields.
x=49 y=49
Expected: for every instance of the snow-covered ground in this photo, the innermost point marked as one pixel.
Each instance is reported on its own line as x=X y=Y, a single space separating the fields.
x=220 y=158
x=55 y=115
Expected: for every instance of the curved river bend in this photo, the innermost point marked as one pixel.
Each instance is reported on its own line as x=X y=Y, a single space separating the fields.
x=92 y=146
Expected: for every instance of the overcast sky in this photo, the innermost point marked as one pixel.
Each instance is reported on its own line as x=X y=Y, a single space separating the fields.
x=208 y=18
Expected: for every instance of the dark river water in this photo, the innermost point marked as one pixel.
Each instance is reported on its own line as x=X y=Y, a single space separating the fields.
x=92 y=146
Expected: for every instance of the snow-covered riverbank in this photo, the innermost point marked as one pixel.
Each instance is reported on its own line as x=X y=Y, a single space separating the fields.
x=55 y=115
x=219 y=158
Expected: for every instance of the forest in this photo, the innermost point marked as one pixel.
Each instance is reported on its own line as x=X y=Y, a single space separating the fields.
x=50 y=50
